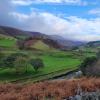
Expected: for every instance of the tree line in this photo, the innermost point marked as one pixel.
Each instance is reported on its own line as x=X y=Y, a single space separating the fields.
x=20 y=62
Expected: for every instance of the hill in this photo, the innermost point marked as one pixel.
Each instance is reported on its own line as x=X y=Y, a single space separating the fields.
x=7 y=41
x=17 y=33
x=39 y=43
x=32 y=40
x=94 y=44
x=64 y=44
x=52 y=90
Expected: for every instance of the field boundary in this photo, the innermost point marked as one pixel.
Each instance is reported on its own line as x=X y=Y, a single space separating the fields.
x=47 y=76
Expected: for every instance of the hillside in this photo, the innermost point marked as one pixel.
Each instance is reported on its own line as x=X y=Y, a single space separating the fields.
x=52 y=90
x=64 y=44
x=94 y=44
x=93 y=69
x=11 y=36
x=39 y=43
x=17 y=33
x=7 y=41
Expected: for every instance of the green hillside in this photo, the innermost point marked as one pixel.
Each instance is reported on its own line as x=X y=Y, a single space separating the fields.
x=40 y=45
x=56 y=62
x=7 y=41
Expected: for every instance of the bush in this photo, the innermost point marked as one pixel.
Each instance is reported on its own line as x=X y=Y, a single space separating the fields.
x=98 y=54
x=17 y=61
x=21 y=64
x=1 y=58
x=87 y=63
x=37 y=63
x=9 y=61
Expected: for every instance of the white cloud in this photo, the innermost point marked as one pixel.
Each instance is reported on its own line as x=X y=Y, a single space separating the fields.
x=67 y=2
x=22 y=2
x=72 y=27
x=95 y=11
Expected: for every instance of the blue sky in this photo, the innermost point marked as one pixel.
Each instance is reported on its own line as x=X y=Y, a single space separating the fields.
x=62 y=8
x=72 y=19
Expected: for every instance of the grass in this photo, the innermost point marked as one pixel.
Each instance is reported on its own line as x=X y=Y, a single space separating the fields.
x=54 y=62
x=7 y=42
x=40 y=45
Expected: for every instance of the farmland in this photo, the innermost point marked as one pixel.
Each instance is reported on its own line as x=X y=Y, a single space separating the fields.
x=56 y=62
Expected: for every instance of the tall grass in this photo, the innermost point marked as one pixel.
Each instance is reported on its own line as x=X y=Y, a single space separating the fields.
x=52 y=90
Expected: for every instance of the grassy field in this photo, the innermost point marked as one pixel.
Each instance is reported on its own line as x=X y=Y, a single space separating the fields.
x=7 y=41
x=56 y=62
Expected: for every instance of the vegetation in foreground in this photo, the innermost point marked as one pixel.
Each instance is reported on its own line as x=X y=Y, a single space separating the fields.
x=21 y=49
x=52 y=64
x=49 y=90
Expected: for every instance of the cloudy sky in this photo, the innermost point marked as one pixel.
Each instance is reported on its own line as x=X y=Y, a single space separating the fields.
x=72 y=19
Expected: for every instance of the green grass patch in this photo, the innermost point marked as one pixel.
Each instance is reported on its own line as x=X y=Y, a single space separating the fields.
x=7 y=42
x=55 y=64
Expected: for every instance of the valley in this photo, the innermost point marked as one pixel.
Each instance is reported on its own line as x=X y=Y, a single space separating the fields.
x=38 y=62
x=49 y=49
x=56 y=61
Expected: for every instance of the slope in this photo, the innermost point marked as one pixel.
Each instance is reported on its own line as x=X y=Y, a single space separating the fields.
x=7 y=41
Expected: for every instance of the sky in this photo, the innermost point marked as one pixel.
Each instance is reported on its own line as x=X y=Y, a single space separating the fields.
x=71 y=19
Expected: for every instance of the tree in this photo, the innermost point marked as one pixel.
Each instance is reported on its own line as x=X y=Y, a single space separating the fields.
x=1 y=55
x=37 y=63
x=16 y=60
x=1 y=58
x=20 y=44
x=87 y=63
x=98 y=54
x=21 y=64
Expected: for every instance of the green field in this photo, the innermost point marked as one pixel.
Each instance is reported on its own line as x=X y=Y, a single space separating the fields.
x=56 y=62
x=7 y=41
x=61 y=62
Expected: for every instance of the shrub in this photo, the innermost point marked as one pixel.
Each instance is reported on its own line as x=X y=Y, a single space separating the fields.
x=21 y=64
x=1 y=58
x=1 y=55
x=49 y=90
x=98 y=54
x=87 y=63
x=37 y=63
x=16 y=60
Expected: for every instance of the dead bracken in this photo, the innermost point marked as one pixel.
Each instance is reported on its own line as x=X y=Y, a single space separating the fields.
x=53 y=90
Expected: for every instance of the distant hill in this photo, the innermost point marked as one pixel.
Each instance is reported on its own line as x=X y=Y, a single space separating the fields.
x=94 y=44
x=17 y=33
x=39 y=43
x=67 y=43
x=30 y=40
x=54 y=41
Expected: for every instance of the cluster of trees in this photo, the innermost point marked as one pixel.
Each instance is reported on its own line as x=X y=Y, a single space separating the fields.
x=89 y=64
x=20 y=62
